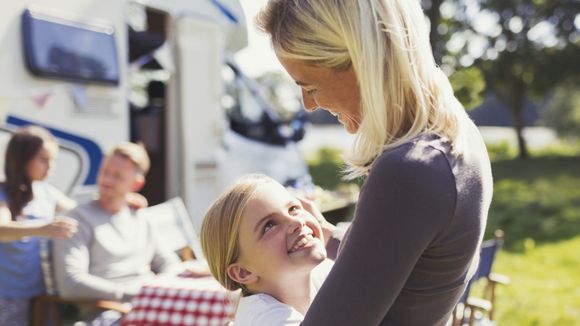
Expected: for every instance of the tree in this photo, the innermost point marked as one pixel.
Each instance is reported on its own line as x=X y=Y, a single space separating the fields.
x=468 y=82
x=563 y=111
x=431 y=8
x=525 y=48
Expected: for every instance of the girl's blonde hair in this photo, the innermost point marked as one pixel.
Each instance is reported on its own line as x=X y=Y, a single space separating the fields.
x=403 y=92
x=220 y=228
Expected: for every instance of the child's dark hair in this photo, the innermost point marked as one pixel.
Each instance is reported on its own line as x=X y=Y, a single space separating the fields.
x=21 y=149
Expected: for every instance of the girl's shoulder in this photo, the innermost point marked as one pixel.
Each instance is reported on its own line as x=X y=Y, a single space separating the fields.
x=45 y=191
x=262 y=309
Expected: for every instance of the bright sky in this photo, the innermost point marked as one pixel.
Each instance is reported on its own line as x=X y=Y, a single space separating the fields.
x=258 y=57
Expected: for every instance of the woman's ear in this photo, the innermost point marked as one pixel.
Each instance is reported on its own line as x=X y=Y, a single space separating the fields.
x=242 y=275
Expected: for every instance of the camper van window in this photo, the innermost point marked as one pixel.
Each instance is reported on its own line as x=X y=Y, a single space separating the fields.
x=71 y=50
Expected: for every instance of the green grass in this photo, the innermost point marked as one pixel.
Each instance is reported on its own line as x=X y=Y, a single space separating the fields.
x=537 y=204
x=545 y=287
x=536 y=200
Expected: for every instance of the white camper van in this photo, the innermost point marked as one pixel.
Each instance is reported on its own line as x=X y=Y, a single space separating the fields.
x=96 y=72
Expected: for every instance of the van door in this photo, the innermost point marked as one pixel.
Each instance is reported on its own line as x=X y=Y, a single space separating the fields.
x=200 y=48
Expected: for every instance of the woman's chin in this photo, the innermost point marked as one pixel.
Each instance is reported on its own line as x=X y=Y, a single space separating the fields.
x=350 y=128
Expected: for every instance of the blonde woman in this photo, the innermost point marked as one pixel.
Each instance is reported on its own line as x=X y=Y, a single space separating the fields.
x=259 y=238
x=414 y=241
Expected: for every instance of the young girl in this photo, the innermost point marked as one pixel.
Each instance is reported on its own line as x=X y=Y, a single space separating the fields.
x=259 y=238
x=27 y=209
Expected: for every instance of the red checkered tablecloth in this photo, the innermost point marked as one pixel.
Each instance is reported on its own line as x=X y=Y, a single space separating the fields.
x=182 y=301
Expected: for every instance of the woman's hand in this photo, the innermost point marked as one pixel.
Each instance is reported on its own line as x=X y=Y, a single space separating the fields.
x=136 y=200
x=60 y=228
x=327 y=227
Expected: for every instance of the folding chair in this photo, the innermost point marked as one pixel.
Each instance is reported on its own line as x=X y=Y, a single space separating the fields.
x=470 y=307
x=173 y=224
x=46 y=307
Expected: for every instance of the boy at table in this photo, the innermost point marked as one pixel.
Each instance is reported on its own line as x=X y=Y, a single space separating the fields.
x=115 y=250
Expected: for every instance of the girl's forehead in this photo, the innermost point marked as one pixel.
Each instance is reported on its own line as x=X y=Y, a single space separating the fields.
x=267 y=196
x=268 y=191
x=48 y=148
x=51 y=147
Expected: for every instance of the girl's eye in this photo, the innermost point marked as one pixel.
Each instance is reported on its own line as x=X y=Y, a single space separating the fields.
x=268 y=226
x=294 y=208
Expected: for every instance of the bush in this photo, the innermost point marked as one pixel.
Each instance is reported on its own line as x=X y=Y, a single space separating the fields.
x=500 y=151
x=326 y=168
x=563 y=111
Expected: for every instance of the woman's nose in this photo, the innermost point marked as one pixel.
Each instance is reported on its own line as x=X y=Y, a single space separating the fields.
x=309 y=102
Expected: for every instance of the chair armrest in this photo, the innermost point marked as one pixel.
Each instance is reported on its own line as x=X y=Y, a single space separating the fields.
x=499 y=279
x=103 y=304
x=478 y=303
x=113 y=305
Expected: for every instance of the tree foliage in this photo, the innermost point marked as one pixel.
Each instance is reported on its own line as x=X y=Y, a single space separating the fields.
x=524 y=48
x=468 y=85
x=563 y=111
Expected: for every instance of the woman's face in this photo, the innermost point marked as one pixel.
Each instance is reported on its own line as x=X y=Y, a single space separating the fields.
x=337 y=92
x=278 y=237
x=38 y=168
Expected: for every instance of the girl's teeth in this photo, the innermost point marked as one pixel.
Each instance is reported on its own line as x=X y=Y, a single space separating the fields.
x=305 y=240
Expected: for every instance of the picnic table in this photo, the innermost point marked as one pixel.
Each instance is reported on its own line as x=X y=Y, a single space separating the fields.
x=182 y=301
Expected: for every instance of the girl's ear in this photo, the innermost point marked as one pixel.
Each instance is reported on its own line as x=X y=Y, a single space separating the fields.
x=240 y=274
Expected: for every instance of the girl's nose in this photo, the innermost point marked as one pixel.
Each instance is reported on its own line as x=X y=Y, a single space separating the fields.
x=295 y=225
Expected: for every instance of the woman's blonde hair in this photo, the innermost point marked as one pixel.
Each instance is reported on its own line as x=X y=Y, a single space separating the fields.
x=403 y=92
x=220 y=228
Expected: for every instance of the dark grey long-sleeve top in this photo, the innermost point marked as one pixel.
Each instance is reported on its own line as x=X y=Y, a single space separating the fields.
x=414 y=241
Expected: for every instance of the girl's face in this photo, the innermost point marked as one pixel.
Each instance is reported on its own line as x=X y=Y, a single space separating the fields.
x=38 y=168
x=278 y=237
x=335 y=92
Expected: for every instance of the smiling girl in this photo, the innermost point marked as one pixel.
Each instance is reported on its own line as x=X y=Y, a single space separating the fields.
x=259 y=238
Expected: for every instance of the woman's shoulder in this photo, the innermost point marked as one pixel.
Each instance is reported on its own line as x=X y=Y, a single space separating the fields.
x=425 y=153
x=262 y=309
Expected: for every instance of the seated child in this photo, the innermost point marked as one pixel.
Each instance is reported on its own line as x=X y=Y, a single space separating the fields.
x=257 y=237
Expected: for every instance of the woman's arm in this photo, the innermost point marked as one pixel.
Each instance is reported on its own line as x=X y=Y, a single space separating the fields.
x=403 y=204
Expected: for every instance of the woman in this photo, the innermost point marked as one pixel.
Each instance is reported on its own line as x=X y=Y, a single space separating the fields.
x=421 y=215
